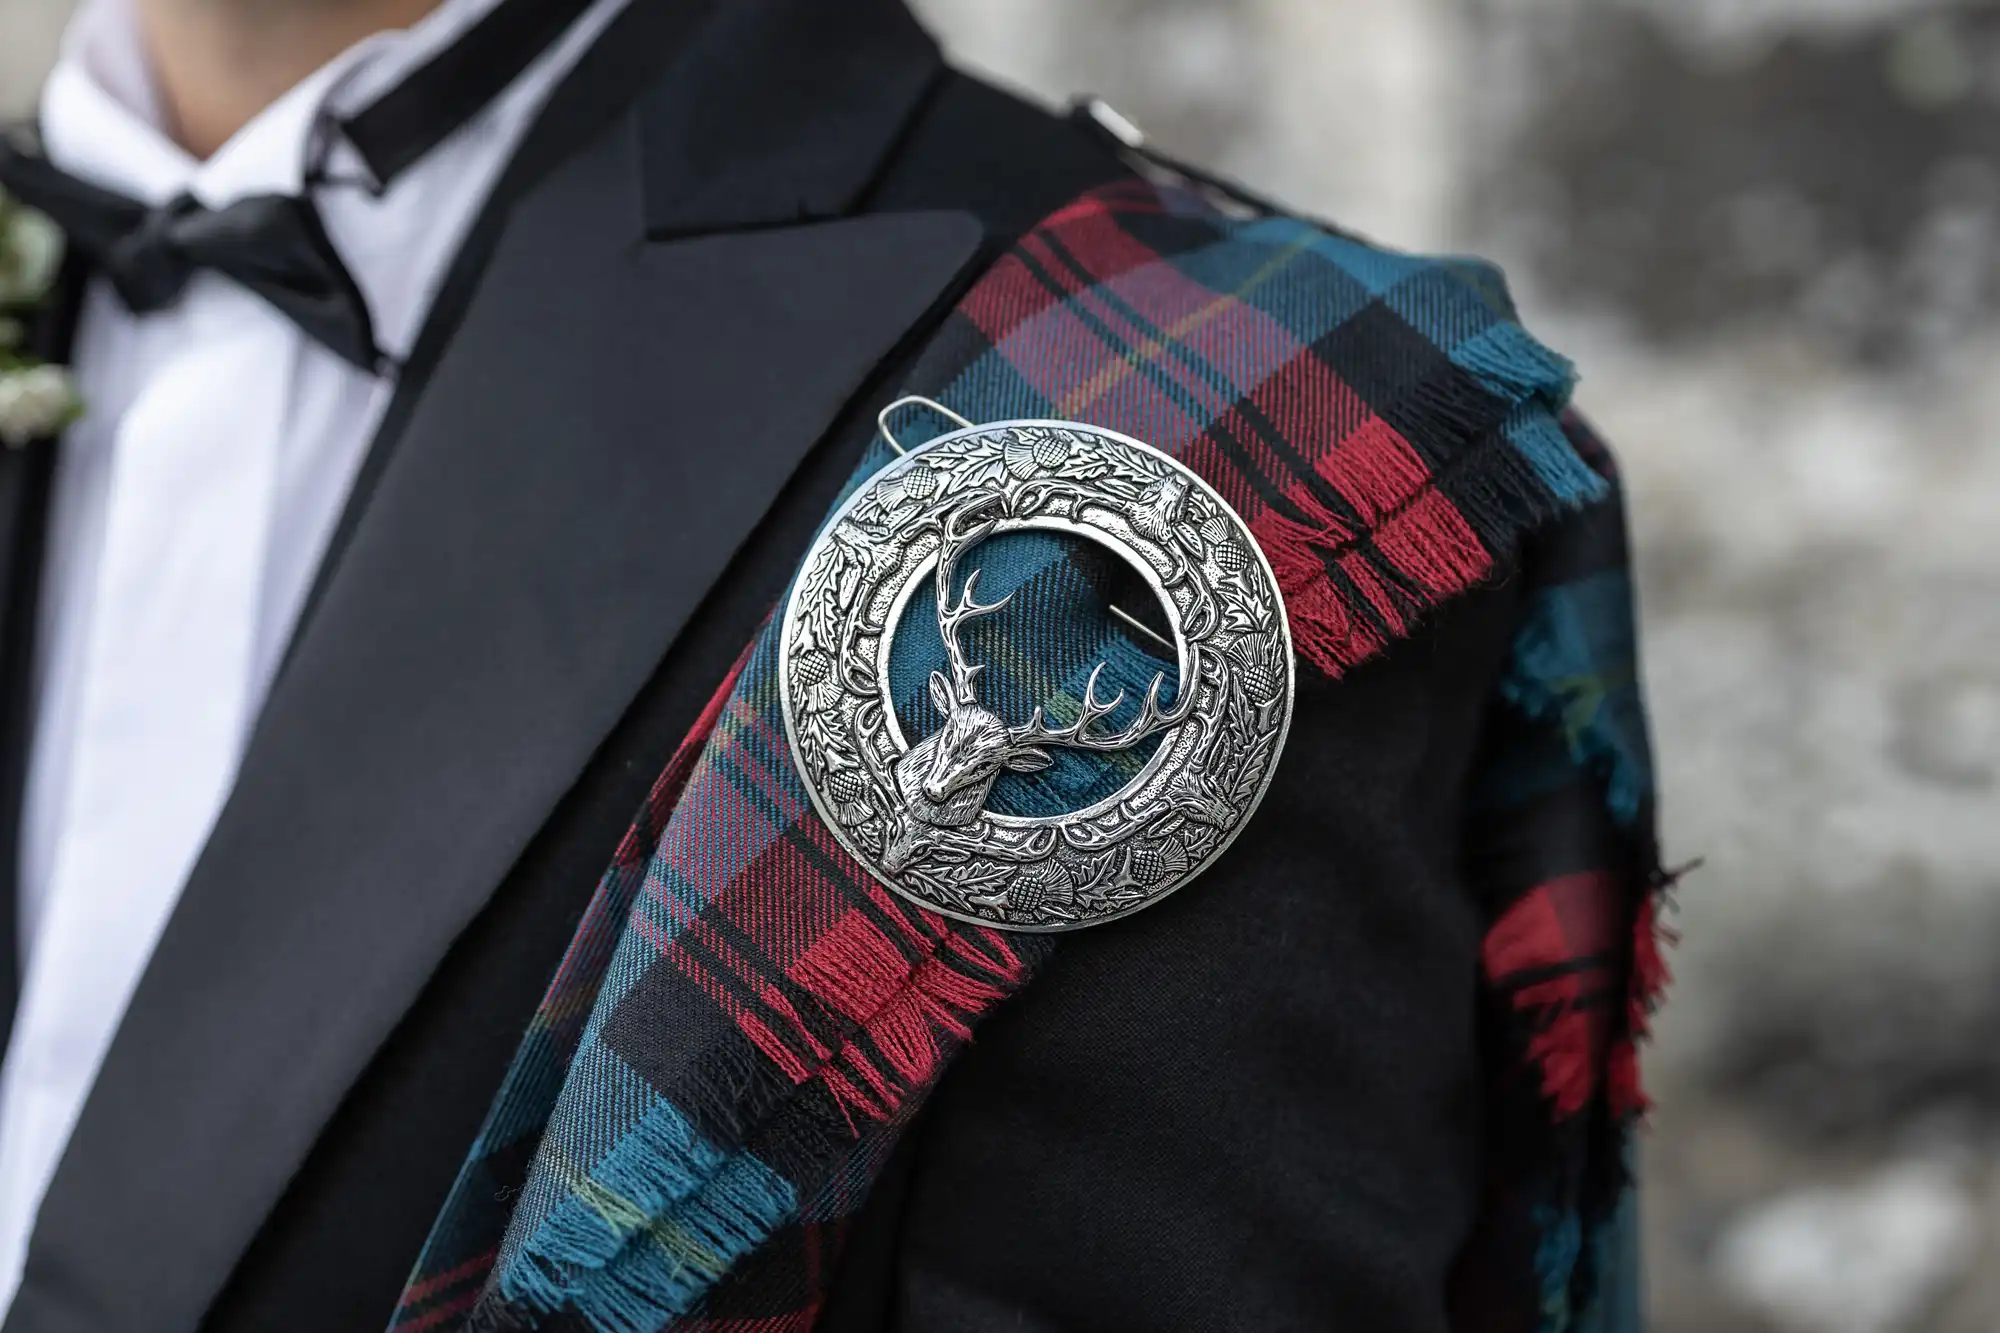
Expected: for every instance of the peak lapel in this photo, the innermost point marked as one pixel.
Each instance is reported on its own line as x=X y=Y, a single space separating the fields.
x=610 y=421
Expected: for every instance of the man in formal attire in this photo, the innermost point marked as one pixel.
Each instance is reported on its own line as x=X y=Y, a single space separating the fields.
x=462 y=382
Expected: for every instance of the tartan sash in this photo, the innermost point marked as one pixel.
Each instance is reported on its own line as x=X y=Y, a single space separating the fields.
x=745 y=1020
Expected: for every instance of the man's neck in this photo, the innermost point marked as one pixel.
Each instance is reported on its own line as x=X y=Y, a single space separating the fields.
x=218 y=63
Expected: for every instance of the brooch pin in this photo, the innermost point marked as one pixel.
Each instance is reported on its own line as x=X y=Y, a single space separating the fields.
x=915 y=813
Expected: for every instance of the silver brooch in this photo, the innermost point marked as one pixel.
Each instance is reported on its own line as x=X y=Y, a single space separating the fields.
x=914 y=814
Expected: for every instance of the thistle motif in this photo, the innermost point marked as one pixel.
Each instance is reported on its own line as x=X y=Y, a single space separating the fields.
x=36 y=400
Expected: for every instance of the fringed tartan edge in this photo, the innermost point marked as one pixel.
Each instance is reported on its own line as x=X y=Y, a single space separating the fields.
x=719 y=1212
x=1574 y=959
x=647 y=1236
x=713 y=1209
x=1457 y=529
x=536 y=1075
x=674 y=1210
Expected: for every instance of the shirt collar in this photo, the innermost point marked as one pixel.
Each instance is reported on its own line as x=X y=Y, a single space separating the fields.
x=101 y=117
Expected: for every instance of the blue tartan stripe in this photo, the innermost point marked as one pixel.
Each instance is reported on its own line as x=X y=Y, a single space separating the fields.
x=1575 y=667
x=1561 y=812
x=623 y=1221
x=1039 y=652
x=635 y=1209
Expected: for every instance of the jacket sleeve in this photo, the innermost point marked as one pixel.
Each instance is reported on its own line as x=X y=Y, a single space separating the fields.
x=1562 y=853
x=1256 y=1105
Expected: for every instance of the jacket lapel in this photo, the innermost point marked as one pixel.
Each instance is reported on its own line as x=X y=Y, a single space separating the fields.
x=27 y=476
x=608 y=421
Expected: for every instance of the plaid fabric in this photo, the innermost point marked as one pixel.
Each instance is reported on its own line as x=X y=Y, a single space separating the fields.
x=747 y=1020
x=1562 y=852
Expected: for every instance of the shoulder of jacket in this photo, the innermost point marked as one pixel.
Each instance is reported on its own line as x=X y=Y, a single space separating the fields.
x=1429 y=345
x=1383 y=423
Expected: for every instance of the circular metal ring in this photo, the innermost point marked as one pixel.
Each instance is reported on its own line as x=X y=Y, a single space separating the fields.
x=914 y=813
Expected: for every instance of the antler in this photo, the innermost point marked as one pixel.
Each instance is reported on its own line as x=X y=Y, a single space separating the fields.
x=957 y=541
x=1077 y=736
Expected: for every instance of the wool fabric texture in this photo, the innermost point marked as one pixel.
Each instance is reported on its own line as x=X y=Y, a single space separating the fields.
x=746 y=1020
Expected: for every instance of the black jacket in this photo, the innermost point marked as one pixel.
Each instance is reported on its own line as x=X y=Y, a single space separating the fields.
x=647 y=376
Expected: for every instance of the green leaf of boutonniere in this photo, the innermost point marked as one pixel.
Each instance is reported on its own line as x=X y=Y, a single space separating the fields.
x=31 y=253
x=36 y=400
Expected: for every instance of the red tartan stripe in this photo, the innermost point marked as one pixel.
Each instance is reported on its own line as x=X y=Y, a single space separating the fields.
x=899 y=1007
x=1349 y=604
x=1650 y=978
x=1007 y=297
x=1239 y=463
x=787 y=895
x=1166 y=355
x=1431 y=543
x=1223 y=337
x=853 y=965
x=476 y=1267
x=1113 y=250
x=639 y=842
x=813 y=988
x=1571 y=1046
x=1011 y=294
x=596 y=934
x=1339 y=622
x=919 y=1024
x=1117 y=360
x=742 y=992
x=1557 y=925
x=1095 y=379
x=725 y=965
x=470 y=1275
x=1556 y=953
x=1361 y=456
x=795 y=1321
x=1211 y=345
x=855 y=976
x=456 y=1308
x=884 y=996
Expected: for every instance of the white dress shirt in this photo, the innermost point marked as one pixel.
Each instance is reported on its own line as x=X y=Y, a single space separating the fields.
x=192 y=507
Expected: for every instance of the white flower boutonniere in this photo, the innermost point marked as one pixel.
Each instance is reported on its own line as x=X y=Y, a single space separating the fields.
x=36 y=400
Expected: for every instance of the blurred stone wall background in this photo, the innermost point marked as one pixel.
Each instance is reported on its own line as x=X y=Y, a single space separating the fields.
x=1769 y=231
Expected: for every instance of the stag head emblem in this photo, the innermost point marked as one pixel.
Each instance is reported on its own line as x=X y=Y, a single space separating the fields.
x=945 y=778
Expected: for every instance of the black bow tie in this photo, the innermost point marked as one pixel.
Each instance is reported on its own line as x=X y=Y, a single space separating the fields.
x=272 y=245
x=276 y=245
